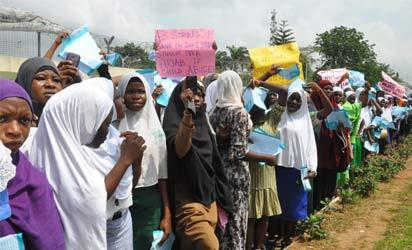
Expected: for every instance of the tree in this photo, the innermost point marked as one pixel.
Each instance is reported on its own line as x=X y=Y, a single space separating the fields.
x=134 y=56
x=347 y=47
x=344 y=47
x=239 y=58
x=222 y=61
x=279 y=34
x=284 y=34
x=273 y=28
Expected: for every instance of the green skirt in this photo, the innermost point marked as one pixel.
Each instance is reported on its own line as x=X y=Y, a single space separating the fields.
x=263 y=198
x=146 y=215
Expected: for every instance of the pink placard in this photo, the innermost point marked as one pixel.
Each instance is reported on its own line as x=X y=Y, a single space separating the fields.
x=391 y=87
x=185 y=52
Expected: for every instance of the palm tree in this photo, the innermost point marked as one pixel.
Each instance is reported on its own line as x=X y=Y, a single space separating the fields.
x=239 y=57
x=222 y=60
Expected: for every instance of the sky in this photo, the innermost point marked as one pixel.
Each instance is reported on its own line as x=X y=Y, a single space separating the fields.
x=385 y=23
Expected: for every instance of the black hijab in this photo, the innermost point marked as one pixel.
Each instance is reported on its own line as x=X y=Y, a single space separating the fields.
x=202 y=163
x=28 y=69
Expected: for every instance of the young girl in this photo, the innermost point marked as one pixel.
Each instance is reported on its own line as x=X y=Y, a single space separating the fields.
x=74 y=120
x=230 y=115
x=150 y=210
x=296 y=133
x=33 y=209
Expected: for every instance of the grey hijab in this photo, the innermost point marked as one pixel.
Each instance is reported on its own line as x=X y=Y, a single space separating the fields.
x=29 y=68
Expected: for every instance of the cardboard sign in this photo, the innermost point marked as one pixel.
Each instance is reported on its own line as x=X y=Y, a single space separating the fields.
x=168 y=86
x=256 y=96
x=157 y=237
x=337 y=117
x=150 y=75
x=284 y=56
x=12 y=242
x=290 y=73
x=356 y=79
x=264 y=143
x=333 y=75
x=185 y=52
x=83 y=44
x=391 y=87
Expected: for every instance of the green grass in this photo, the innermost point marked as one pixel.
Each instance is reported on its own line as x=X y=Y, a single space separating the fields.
x=399 y=232
x=8 y=75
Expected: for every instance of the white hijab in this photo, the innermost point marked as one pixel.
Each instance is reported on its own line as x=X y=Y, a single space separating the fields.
x=70 y=121
x=230 y=88
x=358 y=93
x=211 y=97
x=296 y=133
x=366 y=112
x=146 y=124
x=107 y=155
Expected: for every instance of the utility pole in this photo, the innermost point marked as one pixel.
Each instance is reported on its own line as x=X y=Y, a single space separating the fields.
x=38 y=44
x=108 y=43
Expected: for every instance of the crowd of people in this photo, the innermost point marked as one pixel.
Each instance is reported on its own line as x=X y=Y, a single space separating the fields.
x=100 y=165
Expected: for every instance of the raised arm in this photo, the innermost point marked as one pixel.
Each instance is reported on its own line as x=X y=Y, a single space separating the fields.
x=326 y=103
x=378 y=107
x=50 y=52
x=183 y=140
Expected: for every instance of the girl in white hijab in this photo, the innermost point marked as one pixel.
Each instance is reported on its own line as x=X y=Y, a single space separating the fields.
x=119 y=221
x=211 y=97
x=150 y=210
x=73 y=120
x=300 y=153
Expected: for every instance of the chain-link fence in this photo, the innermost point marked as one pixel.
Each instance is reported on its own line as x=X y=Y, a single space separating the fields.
x=30 y=44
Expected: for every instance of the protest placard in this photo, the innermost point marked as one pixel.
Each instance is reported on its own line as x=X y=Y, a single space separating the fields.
x=255 y=97
x=263 y=143
x=168 y=87
x=82 y=43
x=391 y=87
x=336 y=118
x=284 y=56
x=356 y=79
x=332 y=75
x=185 y=52
x=290 y=73
x=149 y=75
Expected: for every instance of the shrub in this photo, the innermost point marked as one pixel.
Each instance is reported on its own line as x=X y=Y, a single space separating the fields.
x=312 y=226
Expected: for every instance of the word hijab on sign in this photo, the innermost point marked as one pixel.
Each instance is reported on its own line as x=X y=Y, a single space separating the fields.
x=185 y=52
x=285 y=56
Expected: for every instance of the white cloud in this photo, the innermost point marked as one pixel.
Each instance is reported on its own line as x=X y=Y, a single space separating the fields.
x=385 y=23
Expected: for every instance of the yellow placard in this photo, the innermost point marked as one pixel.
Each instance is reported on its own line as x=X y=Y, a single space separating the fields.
x=285 y=56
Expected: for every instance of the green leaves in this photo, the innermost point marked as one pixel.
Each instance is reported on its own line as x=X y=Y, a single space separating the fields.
x=281 y=34
x=312 y=226
x=347 y=47
x=134 y=56
x=237 y=59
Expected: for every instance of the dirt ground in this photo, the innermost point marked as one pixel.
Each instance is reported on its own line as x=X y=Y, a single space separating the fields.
x=360 y=225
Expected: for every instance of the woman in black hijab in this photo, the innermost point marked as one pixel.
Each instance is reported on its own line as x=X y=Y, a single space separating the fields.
x=40 y=78
x=197 y=182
